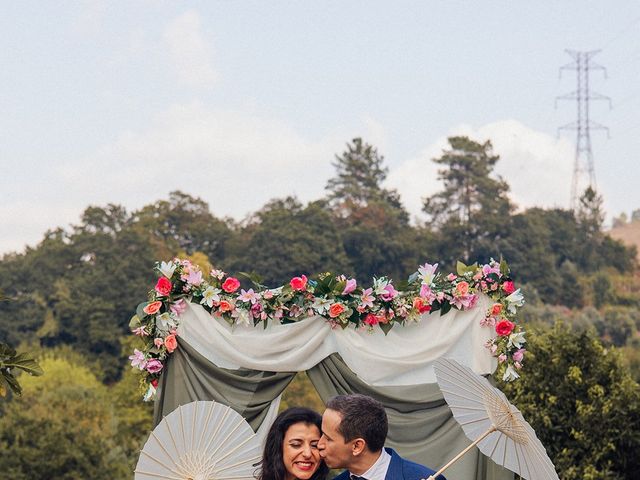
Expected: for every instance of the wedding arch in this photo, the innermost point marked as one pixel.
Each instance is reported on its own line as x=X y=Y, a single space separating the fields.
x=208 y=338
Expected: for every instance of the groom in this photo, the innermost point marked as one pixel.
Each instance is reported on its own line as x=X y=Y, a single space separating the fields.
x=354 y=429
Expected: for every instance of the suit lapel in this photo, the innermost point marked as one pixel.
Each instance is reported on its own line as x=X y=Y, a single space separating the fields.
x=395 y=466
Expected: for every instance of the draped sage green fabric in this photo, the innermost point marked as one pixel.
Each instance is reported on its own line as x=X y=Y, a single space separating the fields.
x=189 y=376
x=421 y=426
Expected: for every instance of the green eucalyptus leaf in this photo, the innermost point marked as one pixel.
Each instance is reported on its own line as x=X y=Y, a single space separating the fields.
x=139 y=310
x=134 y=322
x=385 y=327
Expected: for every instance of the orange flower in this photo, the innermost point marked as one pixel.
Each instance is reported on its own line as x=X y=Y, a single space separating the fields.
x=171 y=343
x=462 y=289
x=496 y=309
x=152 y=308
x=336 y=309
x=225 y=306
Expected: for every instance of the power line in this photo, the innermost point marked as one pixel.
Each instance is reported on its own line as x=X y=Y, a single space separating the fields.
x=583 y=161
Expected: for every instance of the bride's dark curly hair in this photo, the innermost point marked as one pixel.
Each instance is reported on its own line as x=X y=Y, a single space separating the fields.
x=272 y=465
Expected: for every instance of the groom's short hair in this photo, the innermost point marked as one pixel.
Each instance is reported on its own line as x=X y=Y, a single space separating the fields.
x=361 y=417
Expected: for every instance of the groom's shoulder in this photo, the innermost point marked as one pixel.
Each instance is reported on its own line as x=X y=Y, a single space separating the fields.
x=343 y=476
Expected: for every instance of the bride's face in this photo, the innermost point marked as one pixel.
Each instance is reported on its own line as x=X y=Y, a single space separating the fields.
x=300 y=451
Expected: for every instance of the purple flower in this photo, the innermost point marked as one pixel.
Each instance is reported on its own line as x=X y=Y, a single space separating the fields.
x=140 y=331
x=488 y=270
x=154 y=366
x=138 y=359
x=389 y=293
x=518 y=355
x=178 y=308
x=350 y=286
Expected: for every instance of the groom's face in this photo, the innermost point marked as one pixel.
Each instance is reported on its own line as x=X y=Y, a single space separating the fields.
x=333 y=449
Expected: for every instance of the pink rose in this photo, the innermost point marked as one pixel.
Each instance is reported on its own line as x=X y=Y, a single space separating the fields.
x=508 y=287
x=154 y=366
x=163 y=287
x=171 y=343
x=231 y=284
x=336 y=309
x=504 y=328
x=158 y=342
x=299 y=283
x=451 y=277
x=152 y=308
x=502 y=357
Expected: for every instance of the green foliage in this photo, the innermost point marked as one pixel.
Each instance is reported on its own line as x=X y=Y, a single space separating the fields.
x=473 y=207
x=582 y=403
x=286 y=239
x=63 y=427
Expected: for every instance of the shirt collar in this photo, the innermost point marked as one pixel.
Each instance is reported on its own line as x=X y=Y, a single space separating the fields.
x=377 y=471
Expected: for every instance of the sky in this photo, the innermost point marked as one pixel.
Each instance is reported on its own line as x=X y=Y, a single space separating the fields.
x=238 y=102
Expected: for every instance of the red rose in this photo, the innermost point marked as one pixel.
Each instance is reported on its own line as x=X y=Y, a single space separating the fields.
x=299 y=283
x=508 y=287
x=163 y=287
x=171 y=343
x=371 y=319
x=504 y=328
x=496 y=309
x=154 y=382
x=231 y=284
x=336 y=309
x=152 y=308
x=418 y=304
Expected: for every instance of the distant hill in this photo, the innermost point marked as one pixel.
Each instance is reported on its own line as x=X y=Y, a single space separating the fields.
x=629 y=234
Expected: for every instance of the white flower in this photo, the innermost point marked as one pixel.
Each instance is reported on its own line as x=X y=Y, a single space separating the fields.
x=510 y=374
x=516 y=299
x=516 y=340
x=321 y=305
x=242 y=317
x=165 y=322
x=380 y=285
x=210 y=295
x=150 y=395
x=167 y=269
x=427 y=272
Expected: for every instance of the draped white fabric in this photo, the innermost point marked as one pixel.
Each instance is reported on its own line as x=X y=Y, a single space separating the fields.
x=405 y=356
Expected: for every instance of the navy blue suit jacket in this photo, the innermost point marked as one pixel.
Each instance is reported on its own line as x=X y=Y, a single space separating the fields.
x=400 y=469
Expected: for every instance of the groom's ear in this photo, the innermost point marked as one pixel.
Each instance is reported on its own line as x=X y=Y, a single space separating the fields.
x=358 y=446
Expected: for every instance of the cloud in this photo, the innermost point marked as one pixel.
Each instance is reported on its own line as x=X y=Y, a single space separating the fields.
x=189 y=51
x=537 y=166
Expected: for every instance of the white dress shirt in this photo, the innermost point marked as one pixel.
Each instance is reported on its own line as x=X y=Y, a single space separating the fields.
x=378 y=470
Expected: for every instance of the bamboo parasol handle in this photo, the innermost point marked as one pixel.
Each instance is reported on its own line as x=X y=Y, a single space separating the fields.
x=457 y=457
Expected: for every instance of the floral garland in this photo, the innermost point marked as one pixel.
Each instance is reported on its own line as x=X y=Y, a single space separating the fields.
x=340 y=300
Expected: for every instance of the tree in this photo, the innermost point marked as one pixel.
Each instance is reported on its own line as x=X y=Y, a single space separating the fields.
x=286 y=239
x=358 y=181
x=473 y=208
x=582 y=403
x=63 y=427
x=184 y=224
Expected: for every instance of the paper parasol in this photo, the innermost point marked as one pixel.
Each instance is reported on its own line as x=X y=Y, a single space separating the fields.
x=200 y=441
x=492 y=423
